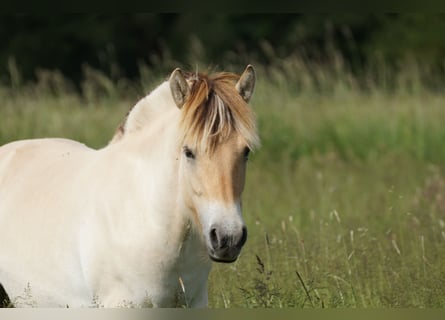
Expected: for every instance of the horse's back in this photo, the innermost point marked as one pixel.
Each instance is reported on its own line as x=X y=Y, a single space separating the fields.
x=36 y=214
x=21 y=150
x=36 y=175
x=27 y=167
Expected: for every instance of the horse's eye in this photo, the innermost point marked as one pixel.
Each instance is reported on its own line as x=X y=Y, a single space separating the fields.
x=246 y=153
x=188 y=153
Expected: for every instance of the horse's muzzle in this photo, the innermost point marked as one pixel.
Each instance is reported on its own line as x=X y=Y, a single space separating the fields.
x=226 y=247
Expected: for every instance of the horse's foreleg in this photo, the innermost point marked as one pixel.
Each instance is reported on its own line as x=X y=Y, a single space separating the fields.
x=5 y=302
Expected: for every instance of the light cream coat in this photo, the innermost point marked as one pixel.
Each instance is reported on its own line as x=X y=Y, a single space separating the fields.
x=136 y=223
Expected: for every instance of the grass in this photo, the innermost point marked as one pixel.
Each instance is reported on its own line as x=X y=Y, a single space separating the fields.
x=344 y=202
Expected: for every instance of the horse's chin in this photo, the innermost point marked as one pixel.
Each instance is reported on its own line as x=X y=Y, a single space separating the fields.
x=219 y=260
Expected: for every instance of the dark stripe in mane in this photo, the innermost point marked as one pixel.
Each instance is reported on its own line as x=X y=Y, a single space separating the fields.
x=120 y=130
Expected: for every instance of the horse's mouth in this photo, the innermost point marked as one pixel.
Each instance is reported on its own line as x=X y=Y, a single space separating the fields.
x=220 y=260
x=223 y=256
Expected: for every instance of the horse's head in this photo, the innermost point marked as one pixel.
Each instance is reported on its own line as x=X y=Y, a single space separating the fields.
x=218 y=133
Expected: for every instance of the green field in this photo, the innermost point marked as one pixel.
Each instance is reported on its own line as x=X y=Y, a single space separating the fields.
x=344 y=201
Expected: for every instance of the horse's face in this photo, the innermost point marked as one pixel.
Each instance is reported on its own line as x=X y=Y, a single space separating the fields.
x=214 y=179
x=215 y=183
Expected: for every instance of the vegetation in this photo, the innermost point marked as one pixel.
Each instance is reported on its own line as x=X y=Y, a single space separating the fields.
x=344 y=202
x=118 y=44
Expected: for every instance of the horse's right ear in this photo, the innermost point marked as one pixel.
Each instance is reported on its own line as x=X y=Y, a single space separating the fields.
x=179 y=87
x=246 y=83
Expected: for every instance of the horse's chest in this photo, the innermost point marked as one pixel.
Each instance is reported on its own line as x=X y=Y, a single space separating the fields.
x=187 y=288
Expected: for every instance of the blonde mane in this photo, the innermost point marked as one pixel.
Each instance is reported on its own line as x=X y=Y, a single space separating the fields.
x=213 y=110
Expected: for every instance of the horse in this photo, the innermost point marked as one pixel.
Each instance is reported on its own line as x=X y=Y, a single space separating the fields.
x=140 y=221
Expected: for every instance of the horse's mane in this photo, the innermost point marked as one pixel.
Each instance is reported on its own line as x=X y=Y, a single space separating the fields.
x=212 y=111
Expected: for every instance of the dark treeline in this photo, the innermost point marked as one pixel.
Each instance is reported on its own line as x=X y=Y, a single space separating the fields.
x=118 y=44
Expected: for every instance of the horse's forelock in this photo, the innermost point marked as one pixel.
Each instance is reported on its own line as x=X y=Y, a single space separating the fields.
x=214 y=110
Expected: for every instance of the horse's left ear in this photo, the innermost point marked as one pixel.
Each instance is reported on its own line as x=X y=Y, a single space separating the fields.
x=179 y=87
x=246 y=83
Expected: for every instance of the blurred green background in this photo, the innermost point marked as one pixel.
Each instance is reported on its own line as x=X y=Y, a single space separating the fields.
x=119 y=44
x=344 y=201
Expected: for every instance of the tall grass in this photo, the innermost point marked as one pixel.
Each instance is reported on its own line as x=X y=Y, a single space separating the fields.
x=344 y=202
x=346 y=199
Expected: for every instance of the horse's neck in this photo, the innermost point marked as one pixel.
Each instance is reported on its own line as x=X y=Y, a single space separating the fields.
x=144 y=165
x=148 y=109
x=150 y=136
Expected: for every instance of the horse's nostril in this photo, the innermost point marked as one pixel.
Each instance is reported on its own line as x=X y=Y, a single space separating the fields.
x=214 y=238
x=219 y=241
x=243 y=238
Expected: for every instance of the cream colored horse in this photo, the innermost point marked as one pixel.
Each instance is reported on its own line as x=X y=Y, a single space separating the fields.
x=137 y=222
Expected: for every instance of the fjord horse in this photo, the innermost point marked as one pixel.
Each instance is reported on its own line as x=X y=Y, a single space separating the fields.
x=138 y=222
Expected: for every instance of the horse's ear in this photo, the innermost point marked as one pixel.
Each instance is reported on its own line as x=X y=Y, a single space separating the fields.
x=179 y=87
x=246 y=83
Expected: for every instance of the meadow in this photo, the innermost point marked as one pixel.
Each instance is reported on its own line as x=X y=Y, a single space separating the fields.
x=344 y=201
